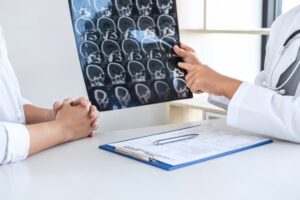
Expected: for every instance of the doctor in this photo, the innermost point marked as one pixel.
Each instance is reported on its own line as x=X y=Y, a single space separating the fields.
x=26 y=129
x=271 y=106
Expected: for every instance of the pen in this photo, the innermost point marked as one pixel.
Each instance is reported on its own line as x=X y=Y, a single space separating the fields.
x=175 y=139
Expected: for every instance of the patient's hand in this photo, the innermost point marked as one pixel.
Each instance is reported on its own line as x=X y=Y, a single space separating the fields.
x=187 y=54
x=75 y=120
x=93 y=113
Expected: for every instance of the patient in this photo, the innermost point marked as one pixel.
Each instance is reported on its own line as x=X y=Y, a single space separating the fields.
x=26 y=129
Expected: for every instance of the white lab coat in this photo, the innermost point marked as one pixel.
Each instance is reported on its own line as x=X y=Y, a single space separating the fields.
x=14 y=137
x=258 y=109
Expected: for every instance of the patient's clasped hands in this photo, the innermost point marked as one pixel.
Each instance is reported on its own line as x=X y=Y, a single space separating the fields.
x=77 y=118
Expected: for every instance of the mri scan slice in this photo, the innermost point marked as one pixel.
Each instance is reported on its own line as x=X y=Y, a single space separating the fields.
x=123 y=96
x=151 y=48
x=82 y=8
x=107 y=28
x=126 y=52
x=166 y=25
x=164 y=6
x=143 y=92
x=175 y=70
x=95 y=75
x=156 y=69
x=86 y=29
x=147 y=25
x=101 y=98
x=127 y=27
x=111 y=51
x=124 y=7
x=162 y=89
x=132 y=50
x=167 y=43
x=91 y=52
x=116 y=73
x=181 y=87
x=137 y=71
x=144 y=6
x=103 y=7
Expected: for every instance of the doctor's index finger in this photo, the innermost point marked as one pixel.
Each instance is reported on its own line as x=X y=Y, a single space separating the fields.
x=186 y=66
x=186 y=47
x=180 y=52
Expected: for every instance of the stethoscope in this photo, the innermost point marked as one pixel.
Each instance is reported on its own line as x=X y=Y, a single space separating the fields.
x=267 y=83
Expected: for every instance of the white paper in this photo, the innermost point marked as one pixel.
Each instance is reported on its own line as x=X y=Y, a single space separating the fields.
x=210 y=142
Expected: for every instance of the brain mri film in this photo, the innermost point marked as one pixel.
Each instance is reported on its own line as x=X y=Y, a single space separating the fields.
x=166 y=25
x=123 y=96
x=116 y=73
x=147 y=26
x=156 y=69
x=137 y=71
x=164 y=6
x=86 y=29
x=124 y=7
x=174 y=71
x=132 y=50
x=103 y=7
x=162 y=89
x=91 y=52
x=125 y=49
x=127 y=27
x=101 y=98
x=143 y=92
x=111 y=51
x=144 y=6
x=107 y=28
x=82 y=8
x=151 y=48
x=96 y=75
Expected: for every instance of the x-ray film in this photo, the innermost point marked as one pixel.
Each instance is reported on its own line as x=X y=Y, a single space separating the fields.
x=125 y=52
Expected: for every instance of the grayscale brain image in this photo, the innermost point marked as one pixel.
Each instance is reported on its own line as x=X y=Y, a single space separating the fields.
x=125 y=52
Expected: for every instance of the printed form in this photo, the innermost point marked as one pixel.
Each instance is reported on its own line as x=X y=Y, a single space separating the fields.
x=209 y=142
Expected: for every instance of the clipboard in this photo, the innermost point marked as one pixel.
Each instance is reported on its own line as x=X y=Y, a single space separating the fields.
x=165 y=166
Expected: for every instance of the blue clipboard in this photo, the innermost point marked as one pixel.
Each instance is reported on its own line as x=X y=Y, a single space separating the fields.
x=168 y=167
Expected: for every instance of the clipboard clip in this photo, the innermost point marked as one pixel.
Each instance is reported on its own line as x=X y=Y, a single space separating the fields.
x=135 y=154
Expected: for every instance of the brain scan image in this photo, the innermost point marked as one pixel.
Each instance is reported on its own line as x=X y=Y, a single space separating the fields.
x=86 y=29
x=124 y=7
x=103 y=7
x=107 y=28
x=111 y=51
x=147 y=25
x=166 y=25
x=144 y=6
x=164 y=6
x=127 y=27
x=125 y=49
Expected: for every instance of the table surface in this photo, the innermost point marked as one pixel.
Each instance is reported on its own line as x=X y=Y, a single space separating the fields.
x=79 y=170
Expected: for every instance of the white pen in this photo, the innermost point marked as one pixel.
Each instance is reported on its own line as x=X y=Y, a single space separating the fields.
x=175 y=139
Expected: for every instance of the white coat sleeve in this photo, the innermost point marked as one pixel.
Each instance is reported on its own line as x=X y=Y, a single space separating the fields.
x=260 y=110
x=14 y=142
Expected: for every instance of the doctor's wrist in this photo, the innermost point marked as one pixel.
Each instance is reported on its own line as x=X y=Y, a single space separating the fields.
x=230 y=86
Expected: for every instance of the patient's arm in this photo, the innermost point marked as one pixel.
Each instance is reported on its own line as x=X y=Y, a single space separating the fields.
x=34 y=115
x=71 y=123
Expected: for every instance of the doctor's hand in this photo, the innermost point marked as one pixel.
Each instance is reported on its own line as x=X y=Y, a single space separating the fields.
x=201 y=78
x=187 y=53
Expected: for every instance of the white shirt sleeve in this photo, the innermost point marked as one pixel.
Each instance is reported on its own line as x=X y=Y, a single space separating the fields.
x=26 y=102
x=14 y=142
x=260 y=110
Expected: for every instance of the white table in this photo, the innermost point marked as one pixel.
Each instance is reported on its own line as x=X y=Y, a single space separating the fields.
x=80 y=171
